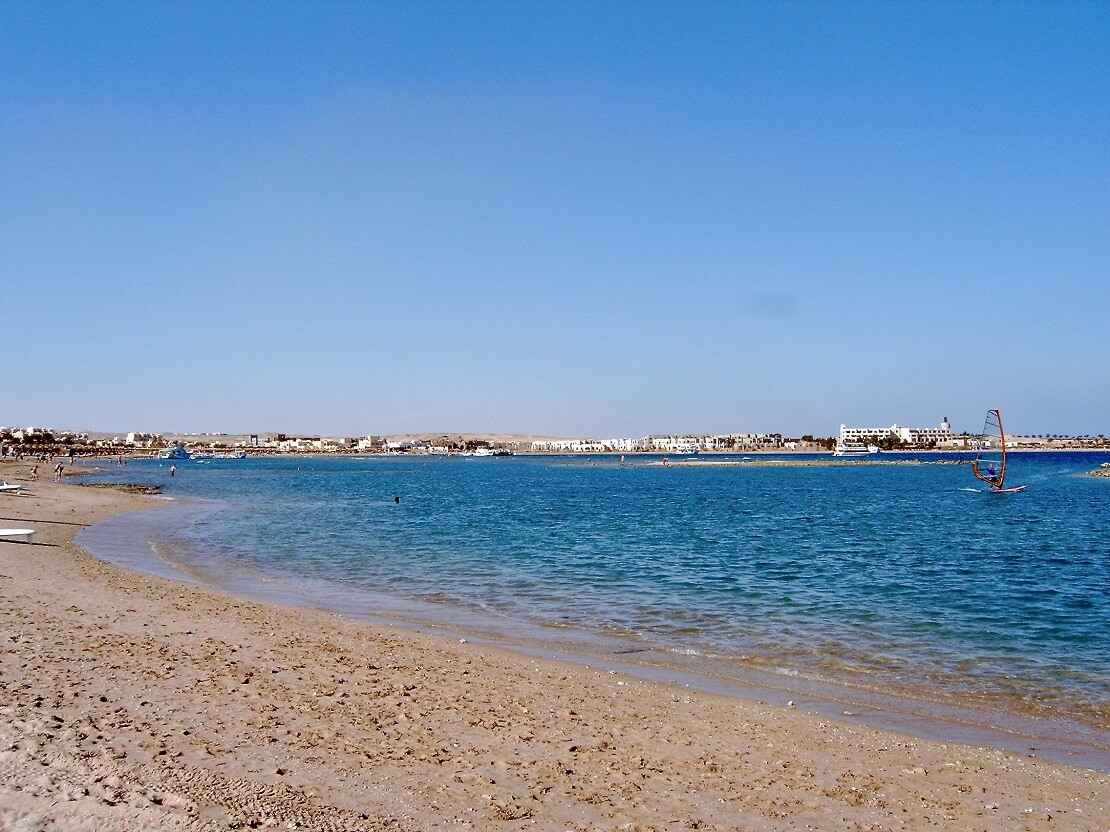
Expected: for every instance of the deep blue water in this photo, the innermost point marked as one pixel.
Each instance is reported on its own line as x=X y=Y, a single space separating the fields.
x=905 y=577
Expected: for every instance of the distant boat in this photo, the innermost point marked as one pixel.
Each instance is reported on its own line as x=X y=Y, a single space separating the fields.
x=854 y=449
x=483 y=451
x=176 y=452
x=989 y=464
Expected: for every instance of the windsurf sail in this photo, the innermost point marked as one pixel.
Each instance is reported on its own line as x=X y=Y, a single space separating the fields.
x=990 y=459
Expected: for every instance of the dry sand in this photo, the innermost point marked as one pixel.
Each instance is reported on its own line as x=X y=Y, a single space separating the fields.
x=129 y=702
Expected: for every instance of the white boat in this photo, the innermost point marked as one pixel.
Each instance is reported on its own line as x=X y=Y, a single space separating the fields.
x=483 y=451
x=176 y=452
x=854 y=449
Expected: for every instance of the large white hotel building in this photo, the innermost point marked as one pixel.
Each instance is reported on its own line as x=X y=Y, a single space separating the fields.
x=911 y=436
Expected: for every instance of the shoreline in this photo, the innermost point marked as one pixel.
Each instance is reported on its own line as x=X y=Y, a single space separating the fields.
x=998 y=720
x=179 y=706
x=252 y=453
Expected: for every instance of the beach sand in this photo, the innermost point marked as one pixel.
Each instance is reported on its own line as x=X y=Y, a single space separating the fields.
x=130 y=702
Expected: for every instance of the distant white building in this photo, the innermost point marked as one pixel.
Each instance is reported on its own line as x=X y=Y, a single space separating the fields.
x=672 y=443
x=569 y=446
x=297 y=444
x=29 y=433
x=743 y=441
x=662 y=443
x=910 y=436
x=624 y=445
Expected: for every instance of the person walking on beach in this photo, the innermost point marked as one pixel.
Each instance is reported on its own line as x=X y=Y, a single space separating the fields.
x=58 y=472
x=34 y=473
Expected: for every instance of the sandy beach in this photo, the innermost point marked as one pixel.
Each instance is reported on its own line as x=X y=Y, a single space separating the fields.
x=132 y=702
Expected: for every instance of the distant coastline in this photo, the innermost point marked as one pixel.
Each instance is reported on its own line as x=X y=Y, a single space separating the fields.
x=44 y=443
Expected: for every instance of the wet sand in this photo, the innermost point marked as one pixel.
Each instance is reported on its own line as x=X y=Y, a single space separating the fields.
x=133 y=702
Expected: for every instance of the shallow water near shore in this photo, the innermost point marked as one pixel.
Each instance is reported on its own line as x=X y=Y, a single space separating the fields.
x=901 y=590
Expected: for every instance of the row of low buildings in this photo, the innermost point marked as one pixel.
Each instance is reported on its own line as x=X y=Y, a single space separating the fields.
x=286 y=444
x=663 y=443
x=277 y=442
x=16 y=440
x=942 y=438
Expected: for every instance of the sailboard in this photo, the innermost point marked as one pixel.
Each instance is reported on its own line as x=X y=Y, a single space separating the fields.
x=990 y=459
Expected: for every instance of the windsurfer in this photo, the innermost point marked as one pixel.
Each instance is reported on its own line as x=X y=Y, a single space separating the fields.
x=992 y=442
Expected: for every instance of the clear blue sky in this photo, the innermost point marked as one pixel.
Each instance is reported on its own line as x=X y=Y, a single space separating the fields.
x=593 y=219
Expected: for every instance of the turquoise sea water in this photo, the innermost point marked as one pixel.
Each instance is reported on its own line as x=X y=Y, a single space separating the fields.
x=871 y=579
